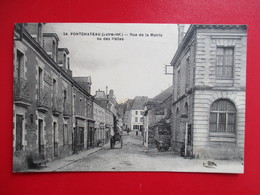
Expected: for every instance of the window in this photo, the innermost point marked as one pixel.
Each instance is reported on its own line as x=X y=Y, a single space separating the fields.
x=176 y=125
x=65 y=134
x=20 y=61
x=68 y=63
x=179 y=83
x=222 y=117
x=73 y=103
x=225 y=62
x=65 y=96
x=141 y=119
x=64 y=61
x=54 y=83
x=136 y=112
x=187 y=76
x=39 y=35
x=54 y=50
x=40 y=82
x=136 y=119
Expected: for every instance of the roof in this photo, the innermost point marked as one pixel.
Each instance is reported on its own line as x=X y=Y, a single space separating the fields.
x=162 y=100
x=163 y=95
x=51 y=35
x=129 y=104
x=139 y=102
x=64 y=49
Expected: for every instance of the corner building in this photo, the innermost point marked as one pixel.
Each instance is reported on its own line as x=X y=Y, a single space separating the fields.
x=209 y=77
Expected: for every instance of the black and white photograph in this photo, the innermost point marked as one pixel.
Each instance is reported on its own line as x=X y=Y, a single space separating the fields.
x=129 y=97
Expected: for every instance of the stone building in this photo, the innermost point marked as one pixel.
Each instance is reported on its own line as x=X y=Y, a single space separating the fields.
x=109 y=124
x=127 y=114
x=136 y=113
x=157 y=118
x=99 y=117
x=108 y=102
x=51 y=110
x=208 y=99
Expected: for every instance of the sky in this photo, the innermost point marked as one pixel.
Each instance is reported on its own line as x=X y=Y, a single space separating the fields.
x=131 y=62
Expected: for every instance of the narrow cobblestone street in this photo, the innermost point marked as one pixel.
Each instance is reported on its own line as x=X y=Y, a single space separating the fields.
x=134 y=157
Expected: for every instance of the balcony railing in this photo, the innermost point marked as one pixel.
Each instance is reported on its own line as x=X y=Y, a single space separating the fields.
x=21 y=92
x=43 y=102
x=57 y=106
x=80 y=113
x=66 y=109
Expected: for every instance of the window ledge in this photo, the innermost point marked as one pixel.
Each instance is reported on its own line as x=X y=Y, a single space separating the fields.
x=222 y=135
x=228 y=79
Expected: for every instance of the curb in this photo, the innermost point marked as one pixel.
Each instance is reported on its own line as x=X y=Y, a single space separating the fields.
x=92 y=152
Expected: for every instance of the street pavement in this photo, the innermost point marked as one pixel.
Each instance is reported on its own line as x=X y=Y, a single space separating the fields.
x=134 y=157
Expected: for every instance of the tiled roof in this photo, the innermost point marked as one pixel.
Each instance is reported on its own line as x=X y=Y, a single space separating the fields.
x=163 y=95
x=129 y=104
x=139 y=102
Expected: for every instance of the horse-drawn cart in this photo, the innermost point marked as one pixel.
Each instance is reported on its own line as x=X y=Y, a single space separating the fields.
x=116 y=136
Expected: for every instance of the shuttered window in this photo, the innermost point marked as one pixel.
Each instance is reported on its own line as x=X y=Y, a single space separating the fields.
x=222 y=117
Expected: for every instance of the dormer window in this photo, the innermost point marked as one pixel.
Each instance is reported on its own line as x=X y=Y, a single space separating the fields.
x=39 y=35
x=54 y=50
x=68 y=63
x=64 y=59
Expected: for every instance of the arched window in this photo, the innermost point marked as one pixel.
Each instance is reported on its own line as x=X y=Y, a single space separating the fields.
x=186 y=108
x=222 y=117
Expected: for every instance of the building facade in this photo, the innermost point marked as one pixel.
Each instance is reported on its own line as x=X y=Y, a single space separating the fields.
x=134 y=113
x=157 y=119
x=99 y=117
x=53 y=114
x=109 y=125
x=209 y=91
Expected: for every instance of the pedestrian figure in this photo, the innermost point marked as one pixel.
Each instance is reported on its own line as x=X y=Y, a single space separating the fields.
x=128 y=131
x=136 y=132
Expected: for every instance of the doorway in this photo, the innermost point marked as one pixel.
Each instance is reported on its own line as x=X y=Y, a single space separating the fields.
x=40 y=137
x=19 y=132
x=55 y=138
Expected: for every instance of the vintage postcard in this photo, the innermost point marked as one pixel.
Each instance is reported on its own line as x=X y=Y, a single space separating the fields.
x=129 y=97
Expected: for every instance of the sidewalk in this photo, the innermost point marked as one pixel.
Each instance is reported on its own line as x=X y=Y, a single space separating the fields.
x=57 y=164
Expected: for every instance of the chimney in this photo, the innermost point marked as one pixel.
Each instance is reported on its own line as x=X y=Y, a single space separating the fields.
x=84 y=82
x=180 y=33
x=111 y=94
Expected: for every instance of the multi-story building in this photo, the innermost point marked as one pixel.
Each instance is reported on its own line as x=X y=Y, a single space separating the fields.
x=135 y=114
x=208 y=98
x=109 y=124
x=127 y=114
x=99 y=117
x=51 y=110
x=108 y=102
x=157 y=118
x=83 y=122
